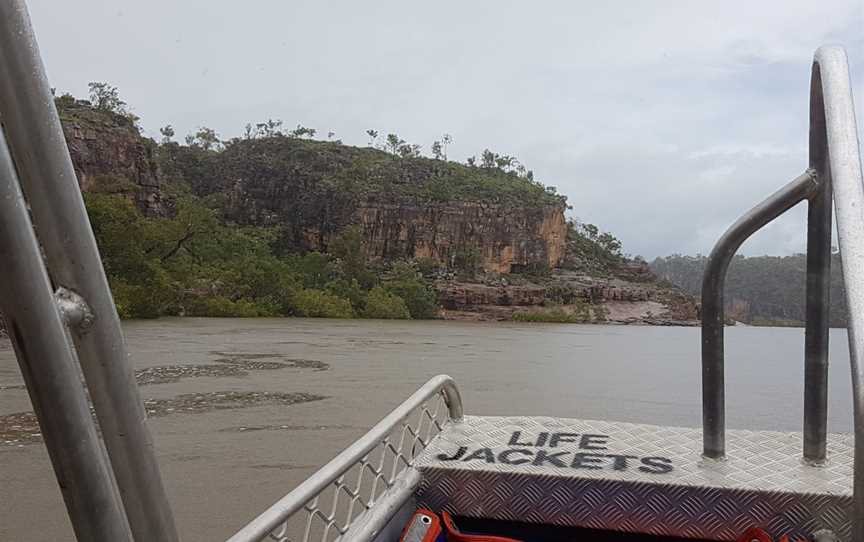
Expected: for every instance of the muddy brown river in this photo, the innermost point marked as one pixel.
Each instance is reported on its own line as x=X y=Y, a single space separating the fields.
x=242 y=410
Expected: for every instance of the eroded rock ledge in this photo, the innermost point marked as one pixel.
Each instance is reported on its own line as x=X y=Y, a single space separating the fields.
x=611 y=300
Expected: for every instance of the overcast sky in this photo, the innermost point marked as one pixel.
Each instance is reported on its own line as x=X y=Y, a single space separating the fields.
x=661 y=121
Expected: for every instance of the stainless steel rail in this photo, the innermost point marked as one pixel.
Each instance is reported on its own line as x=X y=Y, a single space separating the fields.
x=51 y=375
x=713 y=311
x=48 y=180
x=400 y=488
x=835 y=165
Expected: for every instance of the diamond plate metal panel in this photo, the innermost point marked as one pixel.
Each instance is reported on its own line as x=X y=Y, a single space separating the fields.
x=636 y=478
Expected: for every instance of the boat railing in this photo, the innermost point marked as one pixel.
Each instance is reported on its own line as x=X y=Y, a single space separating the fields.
x=112 y=485
x=106 y=466
x=834 y=174
x=354 y=495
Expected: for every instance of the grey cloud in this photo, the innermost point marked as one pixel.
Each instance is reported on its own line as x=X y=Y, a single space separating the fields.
x=660 y=121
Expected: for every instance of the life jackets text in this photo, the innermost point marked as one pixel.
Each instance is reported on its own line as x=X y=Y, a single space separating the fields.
x=525 y=450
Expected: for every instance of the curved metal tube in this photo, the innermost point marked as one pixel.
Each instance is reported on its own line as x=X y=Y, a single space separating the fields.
x=835 y=158
x=713 y=313
x=261 y=526
x=831 y=88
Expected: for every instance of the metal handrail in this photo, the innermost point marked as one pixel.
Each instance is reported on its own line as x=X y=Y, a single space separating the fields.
x=713 y=311
x=835 y=165
x=50 y=374
x=48 y=181
x=293 y=502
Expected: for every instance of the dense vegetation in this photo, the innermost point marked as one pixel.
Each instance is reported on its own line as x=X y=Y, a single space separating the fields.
x=194 y=265
x=353 y=171
x=764 y=290
x=309 y=185
x=592 y=251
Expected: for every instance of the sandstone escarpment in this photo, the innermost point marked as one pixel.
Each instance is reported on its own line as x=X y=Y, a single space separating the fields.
x=110 y=156
x=504 y=239
x=407 y=207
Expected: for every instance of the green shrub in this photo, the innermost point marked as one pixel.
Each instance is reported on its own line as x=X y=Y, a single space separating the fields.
x=417 y=293
x=350 y=290
x=219 y=306
x=349 y=249
x=553 y=315
x=314 y=267
x=320 y=304
x=426 y=266
x=382 y=304
x=146 y=300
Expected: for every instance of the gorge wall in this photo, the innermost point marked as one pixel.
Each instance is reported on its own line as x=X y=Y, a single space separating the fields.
x=406 y=207
x=287 y=182
x=110 y=155
x=503 y=239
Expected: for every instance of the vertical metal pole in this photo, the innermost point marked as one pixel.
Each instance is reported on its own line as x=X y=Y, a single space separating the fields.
x=48 y=180
x=817 y=293
x=816 y=332
x=51 y=374
x=714 y=314
x=713 y=357
x=831 y=91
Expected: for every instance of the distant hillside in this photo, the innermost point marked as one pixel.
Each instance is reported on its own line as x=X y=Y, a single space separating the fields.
x=767 y=290
x=407 y=206
x=279 y=223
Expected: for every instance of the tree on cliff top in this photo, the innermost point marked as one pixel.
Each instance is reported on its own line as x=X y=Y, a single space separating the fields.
x=590 y=250
x=167 y=133
x=205 y=138
x=106 y=97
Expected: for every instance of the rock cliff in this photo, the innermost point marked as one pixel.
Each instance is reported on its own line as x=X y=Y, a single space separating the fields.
x=505 y=239
x=110 y=155
x=407 y=207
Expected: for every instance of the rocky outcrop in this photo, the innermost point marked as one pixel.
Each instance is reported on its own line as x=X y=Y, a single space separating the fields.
x=110 y=156
x=619 y=301
x=462 y=296
x=407 y=207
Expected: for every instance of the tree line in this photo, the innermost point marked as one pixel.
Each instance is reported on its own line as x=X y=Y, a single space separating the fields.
x=762 y=290
x=106 y=97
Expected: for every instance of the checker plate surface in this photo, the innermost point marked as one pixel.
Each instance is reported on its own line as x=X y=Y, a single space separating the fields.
x=664 y=486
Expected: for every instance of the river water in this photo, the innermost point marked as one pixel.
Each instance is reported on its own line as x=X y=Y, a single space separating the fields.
x=244 y=409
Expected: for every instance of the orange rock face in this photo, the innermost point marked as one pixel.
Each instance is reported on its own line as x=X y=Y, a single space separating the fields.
x=505 y=239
